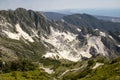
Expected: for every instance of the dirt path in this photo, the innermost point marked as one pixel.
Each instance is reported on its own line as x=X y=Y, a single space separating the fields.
x=75 y=69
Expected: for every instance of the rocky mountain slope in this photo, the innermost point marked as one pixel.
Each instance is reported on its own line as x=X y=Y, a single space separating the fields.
x=25 y=33
x=55 y=50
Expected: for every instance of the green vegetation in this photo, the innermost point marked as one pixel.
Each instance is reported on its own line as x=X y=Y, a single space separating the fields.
x=27 y=75
x=22 y=60
x=22 y=70
x=109 y=71
x=18 y=65
x=86 y=30
x=27 y=70
x=14 y=48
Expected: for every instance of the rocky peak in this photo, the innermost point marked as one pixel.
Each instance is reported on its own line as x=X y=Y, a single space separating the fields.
x=61 y=39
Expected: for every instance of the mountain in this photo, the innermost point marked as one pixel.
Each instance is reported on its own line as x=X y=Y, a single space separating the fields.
x=90 y=21
x=54 y=15
x=103 y=12
x=56 y=46
x=19 y=27
x=101 y=22
x=61 y=39
x=107 y=18
x=59 y=16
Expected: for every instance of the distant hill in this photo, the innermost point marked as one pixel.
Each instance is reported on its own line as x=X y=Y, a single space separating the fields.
x=85 y=20
x=59 y=16
x=103 y=12
x=54 y=15
x=108 y=18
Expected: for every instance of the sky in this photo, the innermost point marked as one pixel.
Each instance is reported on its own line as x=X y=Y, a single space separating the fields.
x=47 y=5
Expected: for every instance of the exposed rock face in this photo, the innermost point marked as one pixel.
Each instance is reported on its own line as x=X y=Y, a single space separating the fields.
x=55 y=39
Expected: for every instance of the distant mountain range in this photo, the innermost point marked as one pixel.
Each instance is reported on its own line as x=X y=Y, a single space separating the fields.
x=54 y=15
x=59 y=16
x=100 y=22
x=108 y=18
x=101 y=12
x=91 y=21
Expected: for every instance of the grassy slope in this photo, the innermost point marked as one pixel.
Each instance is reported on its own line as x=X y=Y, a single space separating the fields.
x=110 y=71
x=33 y=51
x=28 y=75
x=20 y=49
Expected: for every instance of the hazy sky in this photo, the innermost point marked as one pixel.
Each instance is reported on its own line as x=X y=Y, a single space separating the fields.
x=60 y=4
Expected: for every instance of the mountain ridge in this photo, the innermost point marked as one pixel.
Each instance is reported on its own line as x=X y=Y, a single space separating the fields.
x=34 y=47
x=61 y=39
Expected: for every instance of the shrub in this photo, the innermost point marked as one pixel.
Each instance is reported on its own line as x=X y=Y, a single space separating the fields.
x=19 y=65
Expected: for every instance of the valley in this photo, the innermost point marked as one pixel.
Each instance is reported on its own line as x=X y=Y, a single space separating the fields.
x=76 y=47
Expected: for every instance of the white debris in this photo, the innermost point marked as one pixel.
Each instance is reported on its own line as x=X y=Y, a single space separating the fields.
x=65 y=45
x=94 y=42
x=85 y=53
x=79 y=30
x=23 y=34
x=119 y=36
x=97 y=44
x=62 y=20
x=111 y=37
x=48 y=70
x=102 y=34
x=35 y=33
x=51 y=54
x=67 y=54
x=118 y=45
x=96 y=29
x=97 y=65
x=12 y=35
x=20 y=33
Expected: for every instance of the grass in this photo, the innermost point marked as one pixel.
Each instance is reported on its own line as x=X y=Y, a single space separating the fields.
x=28 y=75
x=109 y=71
